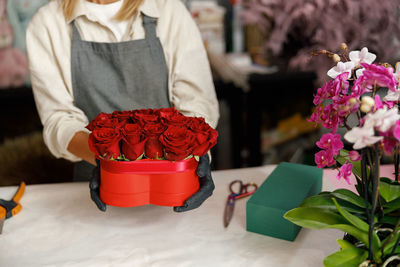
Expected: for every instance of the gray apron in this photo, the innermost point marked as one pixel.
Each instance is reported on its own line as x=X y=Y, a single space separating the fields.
x=117 y=76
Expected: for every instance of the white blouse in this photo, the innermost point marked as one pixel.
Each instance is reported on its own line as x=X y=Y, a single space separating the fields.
x=190 y=84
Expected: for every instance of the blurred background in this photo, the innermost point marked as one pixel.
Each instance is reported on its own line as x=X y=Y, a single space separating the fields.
x=264 y=75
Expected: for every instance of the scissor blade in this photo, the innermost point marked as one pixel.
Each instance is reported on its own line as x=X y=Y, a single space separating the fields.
x=228 y=213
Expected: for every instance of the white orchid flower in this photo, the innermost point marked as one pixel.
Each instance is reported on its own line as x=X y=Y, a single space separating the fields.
x=362 y=137
x=363 y=56
x=383 y=119
x=392 y=96
x=340 y=68
x=359 y=72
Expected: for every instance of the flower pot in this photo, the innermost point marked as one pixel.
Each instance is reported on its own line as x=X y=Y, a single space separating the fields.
x=141 y=182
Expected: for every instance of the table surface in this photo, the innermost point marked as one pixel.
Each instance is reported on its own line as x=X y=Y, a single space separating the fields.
x=60 y=226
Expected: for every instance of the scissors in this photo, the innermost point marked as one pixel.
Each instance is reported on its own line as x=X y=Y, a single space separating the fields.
x=241 y=193
x=9 y=208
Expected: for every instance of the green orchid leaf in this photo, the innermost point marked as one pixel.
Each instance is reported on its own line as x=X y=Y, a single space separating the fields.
x=324 y=193
x=388 y=189
x=344 y=244
x=392 y=220
x=346 y=257
x=392 y=206
x=314 y=218
x=325 y=201
x=391 y=242
x=357 y=222
x=349 y=196
x=319 y=218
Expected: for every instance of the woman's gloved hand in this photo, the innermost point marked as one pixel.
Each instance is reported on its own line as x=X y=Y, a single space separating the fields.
x=206 y=186
x=94 y=186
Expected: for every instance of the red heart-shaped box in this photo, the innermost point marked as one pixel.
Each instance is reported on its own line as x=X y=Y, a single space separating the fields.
x=141 y=182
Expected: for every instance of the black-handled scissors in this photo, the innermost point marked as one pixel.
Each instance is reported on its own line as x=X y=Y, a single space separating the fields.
x=236 y=194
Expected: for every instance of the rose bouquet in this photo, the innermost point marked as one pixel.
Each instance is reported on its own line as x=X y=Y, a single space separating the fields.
x=150 y=133
x=149 y=156
x=362 y=98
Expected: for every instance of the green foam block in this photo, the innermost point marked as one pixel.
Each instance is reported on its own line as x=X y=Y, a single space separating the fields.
x=284 y=189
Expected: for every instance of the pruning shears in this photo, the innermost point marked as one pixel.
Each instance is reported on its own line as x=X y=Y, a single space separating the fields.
x=9 y=208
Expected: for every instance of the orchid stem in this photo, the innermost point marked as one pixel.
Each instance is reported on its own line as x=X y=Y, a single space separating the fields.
x=364 y=179
x=375 y=184
x=396 y=164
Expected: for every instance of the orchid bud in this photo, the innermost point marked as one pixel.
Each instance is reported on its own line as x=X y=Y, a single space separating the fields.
x=354 y=155
x=352 y=100
x=343 y=46
x=336 y=58
x=367 y=100
x=365 y=108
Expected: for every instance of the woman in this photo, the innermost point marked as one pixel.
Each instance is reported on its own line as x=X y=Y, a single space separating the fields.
x=88 y=57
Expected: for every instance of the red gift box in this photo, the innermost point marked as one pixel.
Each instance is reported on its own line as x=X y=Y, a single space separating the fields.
x=147 y=181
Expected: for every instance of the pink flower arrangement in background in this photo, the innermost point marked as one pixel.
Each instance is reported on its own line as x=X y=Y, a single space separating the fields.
x=293 y=29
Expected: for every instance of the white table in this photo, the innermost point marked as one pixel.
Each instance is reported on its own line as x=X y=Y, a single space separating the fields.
x=60 y=226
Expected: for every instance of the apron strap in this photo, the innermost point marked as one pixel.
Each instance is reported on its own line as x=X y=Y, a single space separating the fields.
x=149 y=25
x=75 y=33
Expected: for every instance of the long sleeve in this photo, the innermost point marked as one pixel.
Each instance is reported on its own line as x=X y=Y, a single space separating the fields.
x=60 y=118
x=193 y=91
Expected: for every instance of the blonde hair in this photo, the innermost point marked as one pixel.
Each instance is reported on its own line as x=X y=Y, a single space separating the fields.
x=128 y=9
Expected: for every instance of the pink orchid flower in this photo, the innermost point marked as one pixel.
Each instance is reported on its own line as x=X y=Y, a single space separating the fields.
x=380 y=76
x=331 y=142
x=396 y=131
x=345 y=172
x=324 y=158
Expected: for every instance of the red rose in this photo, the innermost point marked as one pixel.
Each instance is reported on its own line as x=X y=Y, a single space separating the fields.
x=173 y=117
x=132 y=141
x=146 y=116
x=164 y=112
x=102 y=120
x=123 y=117
x=153 y=148
x=177 y=143
x=205 y=137
x=104 y=142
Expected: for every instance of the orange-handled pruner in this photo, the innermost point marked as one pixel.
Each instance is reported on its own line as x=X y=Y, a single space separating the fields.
x=9 y=208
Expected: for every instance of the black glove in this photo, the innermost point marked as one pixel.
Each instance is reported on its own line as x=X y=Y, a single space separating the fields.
x=94 y=186
x=206 y=186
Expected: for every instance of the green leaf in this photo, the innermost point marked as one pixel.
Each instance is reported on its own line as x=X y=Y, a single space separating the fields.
x=140 y=157
x=389 y=190
x=189 y=157
x=346 y=258
x=318 y=218
x=344 y=244
x=197 y=158
x=392 y=206
x=325 y=201
x=389 y=246
x=314 y=218
x=349 y=196
x=392 y=220
x=357 y=222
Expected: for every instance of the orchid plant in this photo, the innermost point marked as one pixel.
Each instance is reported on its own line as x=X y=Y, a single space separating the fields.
x=362 y=98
